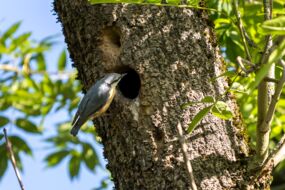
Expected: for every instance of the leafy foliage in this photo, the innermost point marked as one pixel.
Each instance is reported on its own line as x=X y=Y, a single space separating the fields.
x=231 y=46
x=198 y=117
x=218 y=108
x=30 y=93
x=222 y=110
x=274 y=26
x=190 y=3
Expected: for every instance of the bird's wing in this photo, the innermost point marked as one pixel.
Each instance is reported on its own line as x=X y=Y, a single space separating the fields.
x=96 y=102
x=91 y=103
x=82 y=104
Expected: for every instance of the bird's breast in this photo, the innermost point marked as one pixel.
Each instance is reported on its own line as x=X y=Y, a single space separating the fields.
x=107 y=104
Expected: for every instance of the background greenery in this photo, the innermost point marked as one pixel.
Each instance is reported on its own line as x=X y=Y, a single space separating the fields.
x=30 y=93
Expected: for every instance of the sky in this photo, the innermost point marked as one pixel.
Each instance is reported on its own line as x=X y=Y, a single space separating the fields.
x=38 y=17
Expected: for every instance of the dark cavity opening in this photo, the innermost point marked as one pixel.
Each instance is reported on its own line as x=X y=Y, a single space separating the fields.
x=130 y=84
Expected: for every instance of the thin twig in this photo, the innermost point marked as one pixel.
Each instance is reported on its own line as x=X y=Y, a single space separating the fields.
x=241 y=29
x=279 y=154
x=247 y=62
x=241 y=62
x=5 y=67
x=185 y=156
x=250 y=42
x=13 y=160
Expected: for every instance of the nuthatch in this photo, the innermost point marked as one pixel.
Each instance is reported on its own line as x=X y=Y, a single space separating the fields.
x=96 y=101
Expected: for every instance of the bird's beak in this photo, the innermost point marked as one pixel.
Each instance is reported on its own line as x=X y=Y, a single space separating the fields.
x=122 y=75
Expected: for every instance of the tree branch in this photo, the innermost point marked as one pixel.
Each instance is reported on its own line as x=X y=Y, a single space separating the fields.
x=5 y=67
x=267 y=79
x=13 y=160
x=265 y=91
x=277 y=155
x=268 y=119
x=279 y=152
x=241 y=29
x=241 y=62
x=185 y=157
x=267 y=7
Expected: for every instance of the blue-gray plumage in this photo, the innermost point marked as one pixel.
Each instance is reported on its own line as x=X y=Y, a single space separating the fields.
x=96 y=101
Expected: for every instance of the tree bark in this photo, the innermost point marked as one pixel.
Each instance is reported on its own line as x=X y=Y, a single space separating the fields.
x=171 y=57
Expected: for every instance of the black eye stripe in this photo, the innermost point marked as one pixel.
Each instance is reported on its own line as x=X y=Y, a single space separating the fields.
x=116 y=80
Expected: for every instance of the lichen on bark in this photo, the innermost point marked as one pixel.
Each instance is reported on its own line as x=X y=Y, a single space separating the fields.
x=174 y=53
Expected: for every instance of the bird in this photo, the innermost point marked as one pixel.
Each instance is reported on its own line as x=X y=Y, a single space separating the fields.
x=96 y=101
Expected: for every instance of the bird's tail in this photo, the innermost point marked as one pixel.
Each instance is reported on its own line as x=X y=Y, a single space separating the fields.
x=76 y=124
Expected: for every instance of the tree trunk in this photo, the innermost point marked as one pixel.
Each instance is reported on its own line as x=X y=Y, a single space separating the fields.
x=171 y=57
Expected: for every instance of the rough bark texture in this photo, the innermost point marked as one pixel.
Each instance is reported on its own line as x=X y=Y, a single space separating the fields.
x=174 y=52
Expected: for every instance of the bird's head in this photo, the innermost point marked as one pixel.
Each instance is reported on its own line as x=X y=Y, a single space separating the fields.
x=113 y=78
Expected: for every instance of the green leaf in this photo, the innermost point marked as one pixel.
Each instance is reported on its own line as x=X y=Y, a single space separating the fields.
x=41 y=63
x=89 y=156
x=74 y=166
x=45 y=109
x=47 y=85
x=10 y=31
x=198 y=117
x=33 y=110
x=49 y=40
x=278 y=53
x=62 y=140
x=3 y=160
x=206 y=99
x=172 y=2
x=154 y=1
x=55 y=158
x=62 y=61
x=237 y=87
x=27 y=126
x=20 y=145
x=222 y=110
x=3 y=121
x=186 y=105
x=31 y=83
x=3 y=166
x=274 y=26
x=21 y=39
x=193 y=2
x=276 y=131
x=4 y=104
x=225 y=74
x=233 y=41
x=3 y=49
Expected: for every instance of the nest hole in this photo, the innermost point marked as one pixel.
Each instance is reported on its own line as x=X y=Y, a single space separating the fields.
x=111 y=35
x=130 y=84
